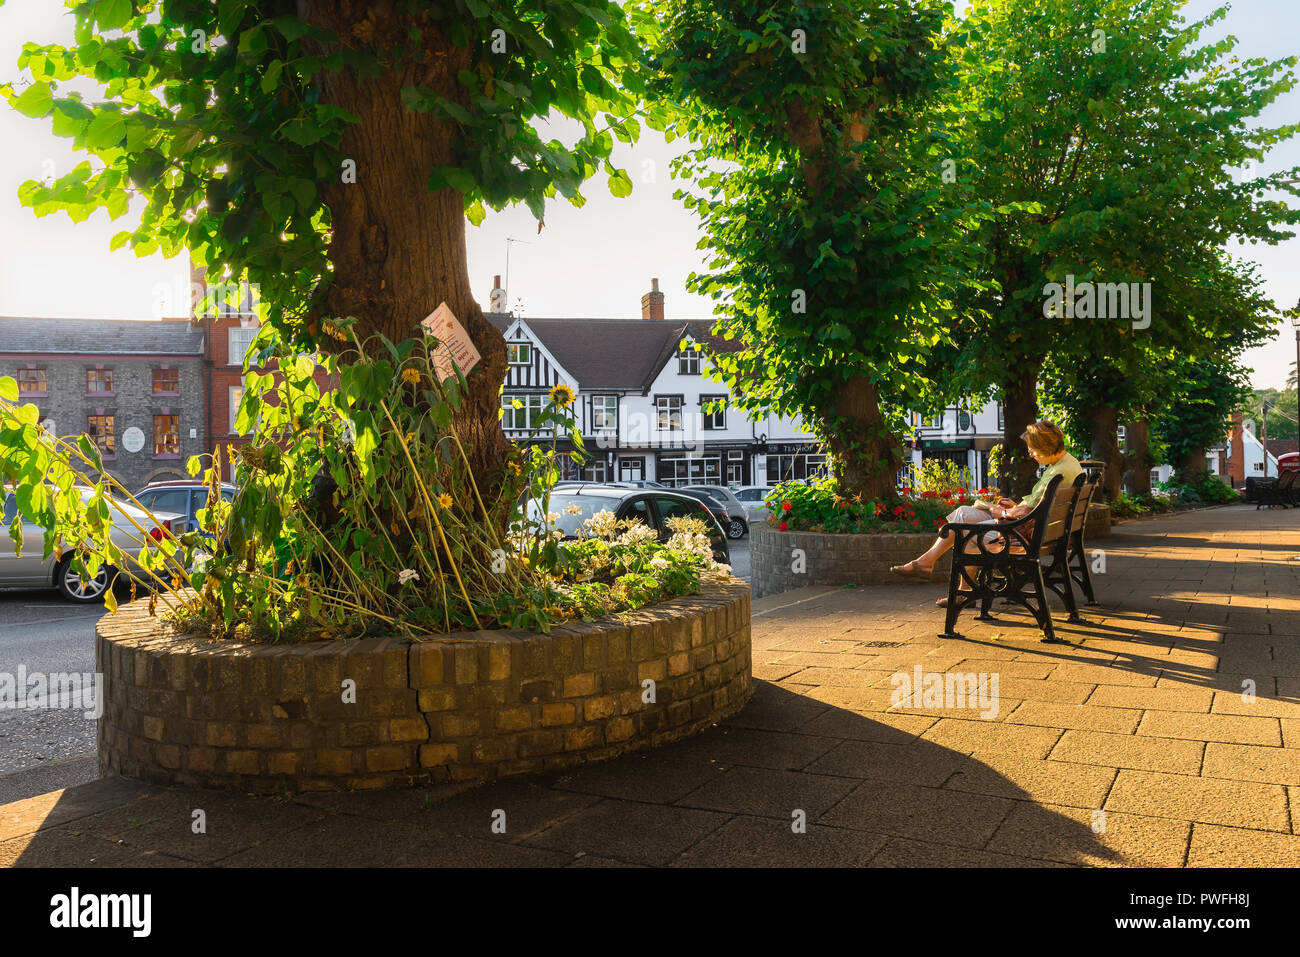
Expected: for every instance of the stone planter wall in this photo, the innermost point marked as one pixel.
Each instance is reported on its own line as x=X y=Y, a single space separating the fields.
x=783 y=561
x=469 y=706
x=1097 y=524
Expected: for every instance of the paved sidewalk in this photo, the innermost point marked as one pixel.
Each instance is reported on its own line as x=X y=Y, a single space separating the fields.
x=1133 y=745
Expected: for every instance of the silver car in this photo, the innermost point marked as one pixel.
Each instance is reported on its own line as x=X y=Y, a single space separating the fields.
x=34 y=570
x=754 y=499
x=738 y=526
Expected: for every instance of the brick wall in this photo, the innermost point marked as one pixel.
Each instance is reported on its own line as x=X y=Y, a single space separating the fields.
x=472 y=706
x=132 y=404
x=831 y=559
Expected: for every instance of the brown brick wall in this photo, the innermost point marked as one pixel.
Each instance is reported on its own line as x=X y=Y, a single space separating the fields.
x=470 y=706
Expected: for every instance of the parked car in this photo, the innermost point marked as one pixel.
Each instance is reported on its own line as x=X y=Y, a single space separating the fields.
x=34 y=570
x=652 y=506
x=754 y=498
x=738 y=524
x=181 y=497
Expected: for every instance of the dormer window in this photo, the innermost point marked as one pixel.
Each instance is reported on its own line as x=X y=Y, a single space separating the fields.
x=688 y=361
x=519 y=353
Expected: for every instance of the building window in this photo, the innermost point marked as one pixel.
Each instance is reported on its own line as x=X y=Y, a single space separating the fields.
x=166 y=381
x=934 y=422
x=241 y=339
x=1002 y=418
x=519 y=353
x=713 y=421
x=631 y=469
x=677 y=470
x=100 y=429
x=523 y=417
x=236 y=397
x=604 y=412
x=669 y=410
x=594 y=472
x=99 y=381
x=784 y=468
x=31 y=382
x=166 y=435
x=688 y=361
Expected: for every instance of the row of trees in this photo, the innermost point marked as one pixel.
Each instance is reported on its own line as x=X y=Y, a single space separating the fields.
x=886 y=192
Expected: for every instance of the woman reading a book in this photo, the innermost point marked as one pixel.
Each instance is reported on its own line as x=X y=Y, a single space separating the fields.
x=1047 y=447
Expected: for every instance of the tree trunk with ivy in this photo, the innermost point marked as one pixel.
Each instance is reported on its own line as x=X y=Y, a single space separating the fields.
x=867 y=455
x=398 y=248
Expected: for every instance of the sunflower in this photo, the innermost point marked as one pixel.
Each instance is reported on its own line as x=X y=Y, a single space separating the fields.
x=444 y=500
x=562 y=395
x=411 y=375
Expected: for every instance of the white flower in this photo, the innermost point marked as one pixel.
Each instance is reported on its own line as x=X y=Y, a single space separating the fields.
x=407 y=575
x=573 y=510
x=638 y=534
x=658 y=563
x=602 y=524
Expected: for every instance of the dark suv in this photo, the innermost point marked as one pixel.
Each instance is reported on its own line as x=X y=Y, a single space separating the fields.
x=650 y=505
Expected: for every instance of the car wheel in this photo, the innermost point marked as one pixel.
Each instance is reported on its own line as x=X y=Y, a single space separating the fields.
x=73 y=588
x=736 y=529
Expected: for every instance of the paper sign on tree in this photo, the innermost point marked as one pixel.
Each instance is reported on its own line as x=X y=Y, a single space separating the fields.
x=455 y=348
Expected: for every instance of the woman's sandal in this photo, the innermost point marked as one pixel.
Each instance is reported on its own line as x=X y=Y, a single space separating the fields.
x=942 y=602
x=912 y=570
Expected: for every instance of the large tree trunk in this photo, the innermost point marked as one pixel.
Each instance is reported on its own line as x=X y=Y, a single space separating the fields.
x=1192 y=468
x=1138 y=456
x=1104 y=426
x=867 y=455
x=398 y=250
x=1019 y=411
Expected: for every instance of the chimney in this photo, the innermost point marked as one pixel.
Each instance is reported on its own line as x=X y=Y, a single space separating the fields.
x=497 y=299
x=1236 y=454
x=652 y=303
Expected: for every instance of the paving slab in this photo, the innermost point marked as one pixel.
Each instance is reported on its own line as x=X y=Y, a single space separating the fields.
x=1131 y=745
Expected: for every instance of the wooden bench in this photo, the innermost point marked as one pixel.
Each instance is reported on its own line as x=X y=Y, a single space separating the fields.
x=1069 y=562
x=1010 y=566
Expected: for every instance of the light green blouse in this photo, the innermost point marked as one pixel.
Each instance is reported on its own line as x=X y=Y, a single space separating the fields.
x=1067 y=465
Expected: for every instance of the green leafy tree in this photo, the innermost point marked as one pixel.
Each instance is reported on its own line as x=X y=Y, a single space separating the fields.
x=1198 y=415
x=818 y=165
x=330 y=152
x=1105 y=134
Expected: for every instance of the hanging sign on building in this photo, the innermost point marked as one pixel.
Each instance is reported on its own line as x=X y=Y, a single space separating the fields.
x=456 y=350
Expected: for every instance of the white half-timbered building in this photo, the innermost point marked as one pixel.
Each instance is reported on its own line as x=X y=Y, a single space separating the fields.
x=642 y=388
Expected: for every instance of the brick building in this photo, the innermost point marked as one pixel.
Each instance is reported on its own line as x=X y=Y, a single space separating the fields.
x=136 y=388
x=228 y=329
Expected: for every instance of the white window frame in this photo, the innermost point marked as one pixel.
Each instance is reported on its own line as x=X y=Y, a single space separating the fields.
x=713 y=421
x=533 y=405
x=236 y=395
x=236 y=356
x=664 y=406
x=604 y=413
x=688 y=361
x=522 y=352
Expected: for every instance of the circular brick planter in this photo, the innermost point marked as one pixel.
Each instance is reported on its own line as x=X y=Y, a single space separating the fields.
x=392 y=712
x=783 y=561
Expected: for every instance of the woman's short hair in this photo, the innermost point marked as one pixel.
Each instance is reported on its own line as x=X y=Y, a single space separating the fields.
x=1044 y=438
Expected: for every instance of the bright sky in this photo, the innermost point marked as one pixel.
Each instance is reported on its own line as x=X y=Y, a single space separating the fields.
x=594 y=261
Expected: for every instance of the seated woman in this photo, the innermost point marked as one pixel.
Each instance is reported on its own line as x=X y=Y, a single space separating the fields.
x=1047 y=447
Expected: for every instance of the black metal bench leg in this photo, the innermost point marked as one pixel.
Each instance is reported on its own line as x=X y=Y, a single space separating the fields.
x=1043 y=613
